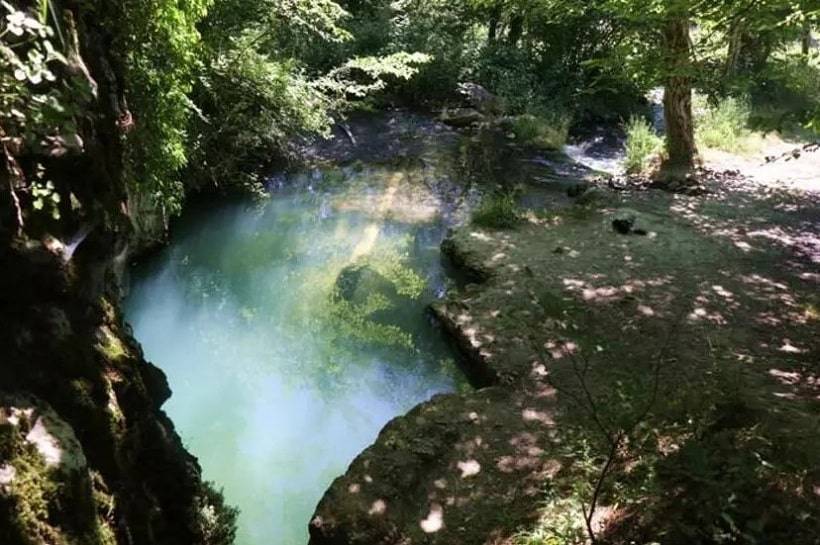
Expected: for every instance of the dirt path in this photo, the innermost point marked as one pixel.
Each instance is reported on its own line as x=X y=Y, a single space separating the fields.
x=778 y=164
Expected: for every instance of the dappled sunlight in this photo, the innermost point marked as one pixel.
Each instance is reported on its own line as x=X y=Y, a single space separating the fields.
x=799 y=381
x=378 y=508
x=803 y=242
x=789 y=348
x=435 y=519
x=589 y=292
x=469 y=468
x=533 y=415
x=759 y=220
x=560 y=349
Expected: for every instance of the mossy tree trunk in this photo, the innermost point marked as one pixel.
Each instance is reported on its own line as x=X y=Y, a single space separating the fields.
x=677 y=100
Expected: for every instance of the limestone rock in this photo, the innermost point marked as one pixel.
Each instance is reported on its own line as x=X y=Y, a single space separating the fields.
x=481 y=99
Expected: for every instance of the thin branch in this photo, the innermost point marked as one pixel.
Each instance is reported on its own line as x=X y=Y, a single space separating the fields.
x=599 y=485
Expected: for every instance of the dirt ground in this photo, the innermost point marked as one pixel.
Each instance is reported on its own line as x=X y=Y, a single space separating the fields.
x=778 y=163
x=658 y=382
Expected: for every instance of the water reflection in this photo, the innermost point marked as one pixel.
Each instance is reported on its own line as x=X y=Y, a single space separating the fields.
x=292 y=332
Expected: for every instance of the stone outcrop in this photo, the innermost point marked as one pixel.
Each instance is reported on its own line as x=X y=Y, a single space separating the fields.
x=566 y=326
x=457 y=469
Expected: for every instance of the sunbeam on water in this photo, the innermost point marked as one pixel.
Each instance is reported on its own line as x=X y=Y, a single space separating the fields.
x=291 y=333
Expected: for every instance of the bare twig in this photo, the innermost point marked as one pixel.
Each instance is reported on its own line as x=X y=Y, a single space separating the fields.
x=599 y=485
x=581 y=367
x=14 y=173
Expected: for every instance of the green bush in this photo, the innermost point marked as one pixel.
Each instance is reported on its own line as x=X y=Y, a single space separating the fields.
x=511 y=74
x=162 y=49
x=498 y=211
x=549 y=132
x=786 y=96
x=215 y=520
x=724 y=125
x=642 y=144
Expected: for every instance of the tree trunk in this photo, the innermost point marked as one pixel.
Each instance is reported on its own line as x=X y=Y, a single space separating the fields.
x=495 y=20
x=806 y=37
x=677 y=99
x=516 y=29
x=735 y=48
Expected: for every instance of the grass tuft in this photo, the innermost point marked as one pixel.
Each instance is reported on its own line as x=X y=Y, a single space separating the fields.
x=541 y=131
x=642 y=144
x=498 y=211
x=724 y=125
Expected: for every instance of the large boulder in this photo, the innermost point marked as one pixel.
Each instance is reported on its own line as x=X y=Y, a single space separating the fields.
x=481 y=99
x=466 y=469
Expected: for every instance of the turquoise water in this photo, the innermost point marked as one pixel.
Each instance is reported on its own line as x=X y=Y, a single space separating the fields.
x=293 y=331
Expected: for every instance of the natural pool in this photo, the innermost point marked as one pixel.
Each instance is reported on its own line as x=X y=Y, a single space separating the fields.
x=292 y=331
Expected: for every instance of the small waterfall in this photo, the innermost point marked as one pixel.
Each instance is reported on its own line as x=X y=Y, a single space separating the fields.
x=74 y=243
x=655 y=98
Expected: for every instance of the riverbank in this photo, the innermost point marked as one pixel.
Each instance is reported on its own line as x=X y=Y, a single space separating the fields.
x=653 y=361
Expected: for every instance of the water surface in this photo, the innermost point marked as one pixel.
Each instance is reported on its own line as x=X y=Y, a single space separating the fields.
x=292 y=331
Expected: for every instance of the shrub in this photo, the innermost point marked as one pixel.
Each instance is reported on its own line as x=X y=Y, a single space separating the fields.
x=723 y=125
x=161 y=45
x=548 y=132
x=786 y=95
x=642 y=144
x=498 y=211
x=215 y=520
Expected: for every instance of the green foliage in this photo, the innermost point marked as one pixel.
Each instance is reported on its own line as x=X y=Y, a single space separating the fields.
x=391 y=263
x=642 y=144
x=254 y=106
x=439 y=28
x=45 y=198
x=162 y=50
x=786 y=93
x=723 y=125
x=513 y=75
x=497 y=211
x=356 y=321
x=256 y=93
x=560 y=523
x=34 y=102
x=541 y=132
x=362 y=76
x=216 y=521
